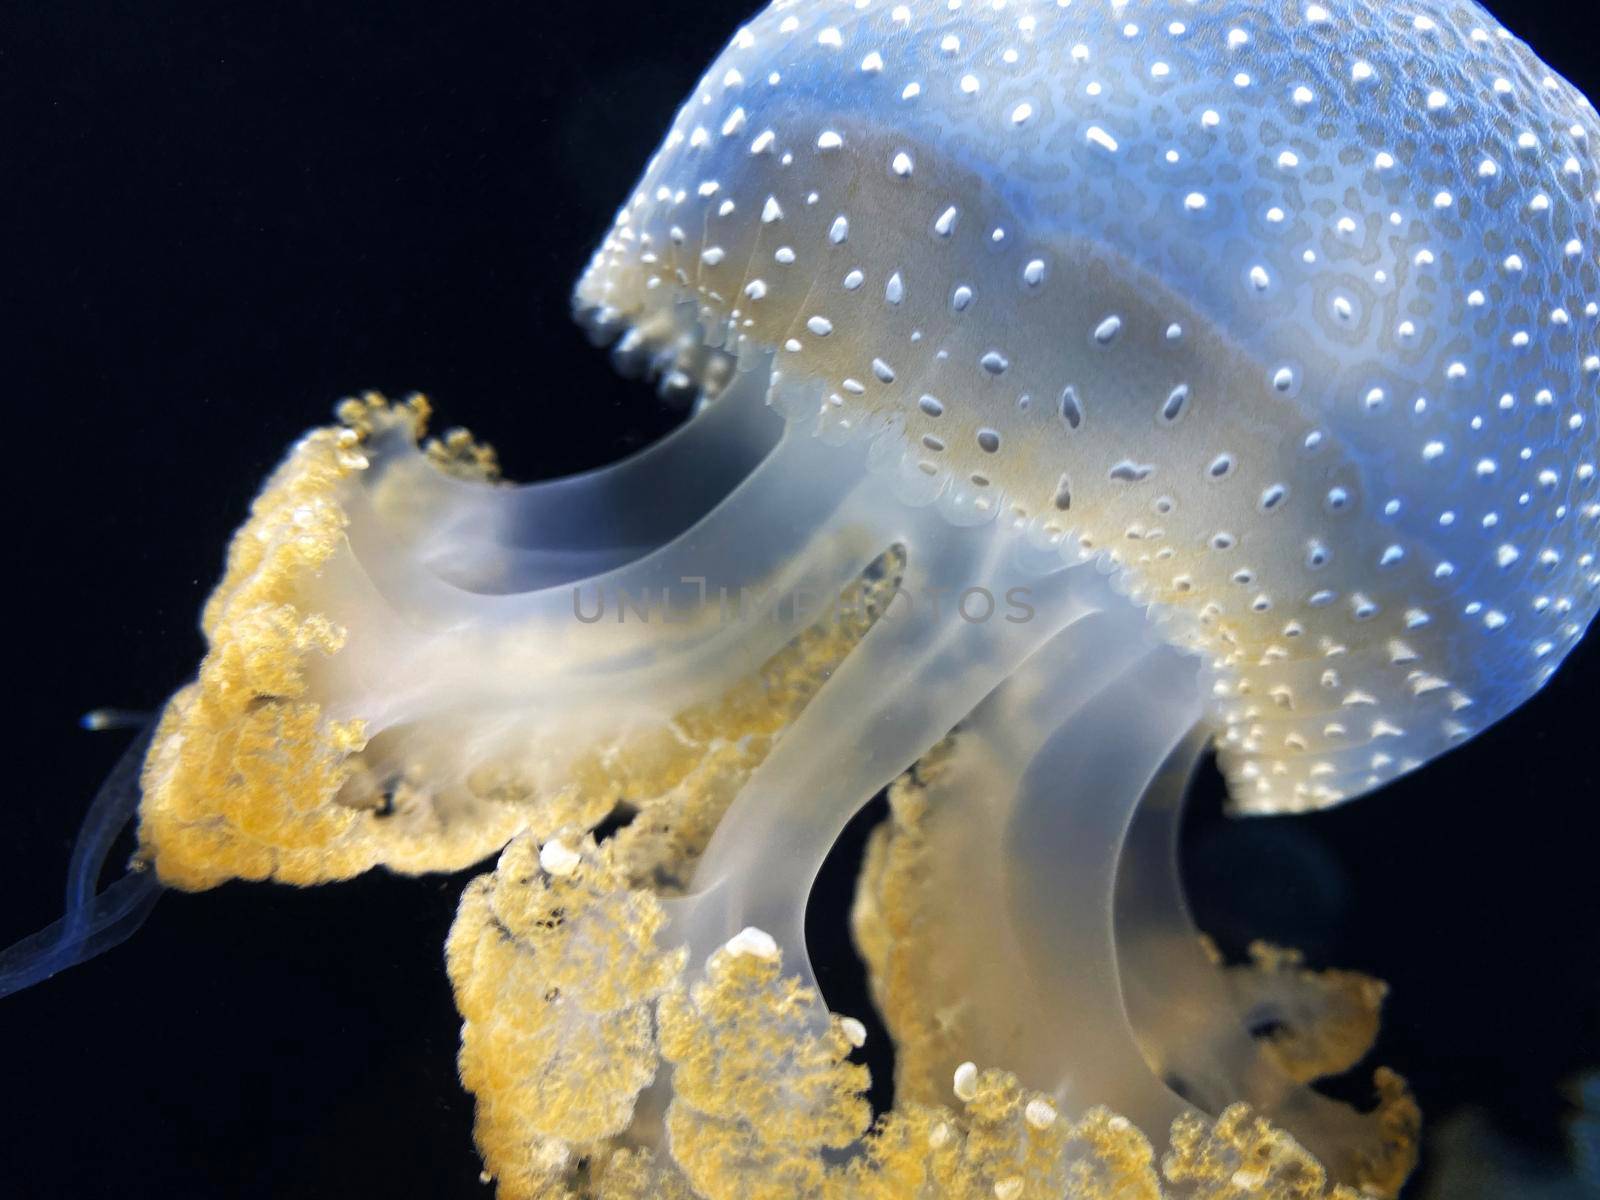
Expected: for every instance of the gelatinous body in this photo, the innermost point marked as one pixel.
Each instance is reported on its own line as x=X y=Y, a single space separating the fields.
x=1081 y=387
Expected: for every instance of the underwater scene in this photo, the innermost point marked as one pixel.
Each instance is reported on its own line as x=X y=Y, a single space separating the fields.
x=847 y=599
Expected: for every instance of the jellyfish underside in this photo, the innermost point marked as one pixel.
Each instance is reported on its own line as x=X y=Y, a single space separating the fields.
x=524 y=658
x=505 y=632
x=1051 y=813
x=95 y=920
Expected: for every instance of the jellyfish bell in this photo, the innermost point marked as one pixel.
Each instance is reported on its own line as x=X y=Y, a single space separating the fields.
x=1094 y=386
x=1218 y=325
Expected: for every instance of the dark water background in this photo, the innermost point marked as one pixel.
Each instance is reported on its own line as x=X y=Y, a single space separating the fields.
x=217 y=219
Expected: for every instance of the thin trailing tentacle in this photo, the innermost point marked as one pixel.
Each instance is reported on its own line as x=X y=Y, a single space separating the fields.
x=95 y=921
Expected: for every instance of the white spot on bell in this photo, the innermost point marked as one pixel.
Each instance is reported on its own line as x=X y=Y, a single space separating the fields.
x=1101 y=138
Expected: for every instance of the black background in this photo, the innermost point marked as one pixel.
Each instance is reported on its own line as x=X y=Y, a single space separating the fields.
x=216 y=220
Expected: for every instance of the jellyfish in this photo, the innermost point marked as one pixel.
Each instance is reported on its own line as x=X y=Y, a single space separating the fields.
x=1077 y=388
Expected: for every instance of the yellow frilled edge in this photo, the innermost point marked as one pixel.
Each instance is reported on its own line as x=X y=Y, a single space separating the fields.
x=244 y=770
x=247 y=778
x=556 y=973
